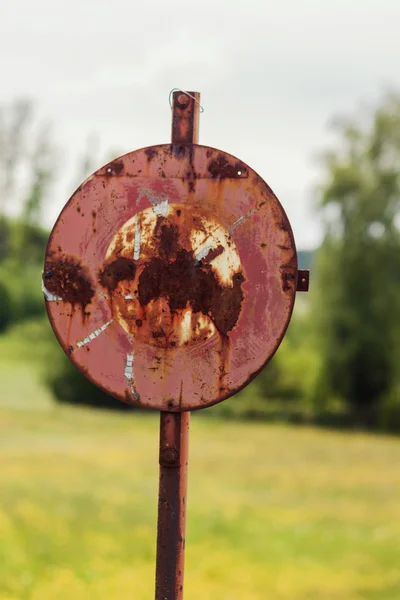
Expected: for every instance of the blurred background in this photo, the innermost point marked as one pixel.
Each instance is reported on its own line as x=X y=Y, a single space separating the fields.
x=294 y=486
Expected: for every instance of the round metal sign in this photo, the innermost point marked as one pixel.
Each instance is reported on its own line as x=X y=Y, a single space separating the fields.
x=170 y=276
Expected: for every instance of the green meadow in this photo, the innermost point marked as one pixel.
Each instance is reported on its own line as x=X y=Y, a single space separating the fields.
x=274 y=512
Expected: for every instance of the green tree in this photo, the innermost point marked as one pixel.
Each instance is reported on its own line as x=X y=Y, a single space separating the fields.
x=27 y=161
x=42 y=167
x=14 y=127
x=358 y=267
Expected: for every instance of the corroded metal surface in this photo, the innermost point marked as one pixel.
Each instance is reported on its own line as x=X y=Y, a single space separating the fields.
x=170 y=276
x=174 y=427
x=172 y=502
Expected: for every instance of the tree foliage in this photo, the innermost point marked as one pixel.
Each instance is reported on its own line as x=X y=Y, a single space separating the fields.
x=359 y=262
x=27 y=155
x=27 y=161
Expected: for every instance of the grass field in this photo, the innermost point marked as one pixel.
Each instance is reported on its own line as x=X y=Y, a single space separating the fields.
x=274 y=512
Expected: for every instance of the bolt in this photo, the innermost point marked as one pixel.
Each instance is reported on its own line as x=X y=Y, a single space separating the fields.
x=183 y=99
x=169 y=455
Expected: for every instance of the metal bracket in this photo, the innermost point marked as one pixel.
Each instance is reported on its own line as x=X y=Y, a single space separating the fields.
x=303 y=280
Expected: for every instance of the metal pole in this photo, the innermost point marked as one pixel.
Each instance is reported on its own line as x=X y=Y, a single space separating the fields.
x=174 y=427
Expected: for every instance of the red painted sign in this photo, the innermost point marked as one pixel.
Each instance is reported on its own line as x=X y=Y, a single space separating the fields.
x=170 y=276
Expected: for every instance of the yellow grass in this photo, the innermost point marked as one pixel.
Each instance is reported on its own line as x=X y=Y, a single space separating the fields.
x=274 y=512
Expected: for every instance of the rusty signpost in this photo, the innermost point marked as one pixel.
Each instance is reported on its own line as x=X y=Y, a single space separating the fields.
x=170 y=278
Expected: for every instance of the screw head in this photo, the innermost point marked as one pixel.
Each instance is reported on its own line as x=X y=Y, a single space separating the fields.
x=169 y=455
x=183 y=99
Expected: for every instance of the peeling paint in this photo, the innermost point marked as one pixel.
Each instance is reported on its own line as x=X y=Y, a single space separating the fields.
x=136 y=244
x=129 y=367
x=237 y=223
x=161 y=208
x=203 y=253
x=93 y=335
x=159 y=203
x=129 y=375
x=242 y=219
x=48 y=295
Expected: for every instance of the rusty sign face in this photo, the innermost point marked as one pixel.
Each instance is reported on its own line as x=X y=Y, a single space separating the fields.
x=170 y=276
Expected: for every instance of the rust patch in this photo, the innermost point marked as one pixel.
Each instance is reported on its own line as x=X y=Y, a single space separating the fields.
x=284 y=226
x=150 y=153
x=67 y=278
x=121 y=269
x=183 y=281
x=178 y=150
x=226 y=305
x=289 y=274
x=288 y=280
x=213 y=253
x=114 y=168
x=222 y=169
x=169 y=238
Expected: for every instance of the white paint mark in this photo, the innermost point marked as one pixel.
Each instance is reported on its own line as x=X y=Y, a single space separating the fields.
x=93 y=335
x=129 y=367
x=161 y=208
x=237 y=223
x=186 y=326
x=225 y=262
x=203 y=253
x=129 y=375
x=242 y=219
x=144 y=192
x=136 y=244
x=159 y=203
x=48 y=295
x=128 y=297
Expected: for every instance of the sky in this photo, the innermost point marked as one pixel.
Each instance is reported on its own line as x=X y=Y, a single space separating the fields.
x=272 y=75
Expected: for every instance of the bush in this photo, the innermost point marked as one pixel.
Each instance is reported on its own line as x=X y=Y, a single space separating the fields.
x=22 y=247
x=5 y=238
x=5 y=307
x=389 y=412
x=21 y=285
